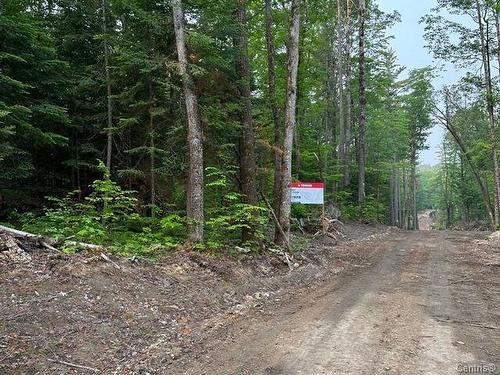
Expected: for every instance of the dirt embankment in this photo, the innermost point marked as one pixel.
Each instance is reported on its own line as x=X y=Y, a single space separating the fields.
x=58 y=312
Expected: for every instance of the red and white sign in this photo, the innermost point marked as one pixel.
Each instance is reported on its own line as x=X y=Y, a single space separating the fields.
x=308 y=192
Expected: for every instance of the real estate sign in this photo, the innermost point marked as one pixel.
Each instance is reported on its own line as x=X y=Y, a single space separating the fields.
x=308 y=192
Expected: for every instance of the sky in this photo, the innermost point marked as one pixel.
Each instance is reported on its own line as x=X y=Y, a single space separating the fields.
x=409 y=45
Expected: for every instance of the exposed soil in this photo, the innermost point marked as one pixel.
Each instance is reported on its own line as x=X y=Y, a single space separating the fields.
x=146 y=317
x=388 y=302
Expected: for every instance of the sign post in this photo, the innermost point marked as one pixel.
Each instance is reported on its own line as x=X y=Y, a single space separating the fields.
x=311 y=193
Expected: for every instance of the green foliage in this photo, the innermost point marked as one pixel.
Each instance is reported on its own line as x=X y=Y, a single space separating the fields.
x=372 y=210
x=106 y=216
x=32 y=82
x=106 y=209
x=226 y=220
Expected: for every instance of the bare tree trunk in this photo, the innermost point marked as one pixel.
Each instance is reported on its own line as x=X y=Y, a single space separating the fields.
x=77 y=185
x=247 y=144
x=398 y=196
x=271 y=76
x=340 y=89
x=497 y=26
x=194 y=137
x=362 y=104
x=346 y=180
x=446 y=187
x=491 y=109
x=331 y=114
x=109 y=129
x=151 y=149
x=290 y=119
x=413 y=183
x=392 y=188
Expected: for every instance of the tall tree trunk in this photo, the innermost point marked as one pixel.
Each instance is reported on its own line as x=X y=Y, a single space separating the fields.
x=340 y=89
x=362 y=104
x=247 y=143
x=278 y=131
x=77 y=166
x=290 y=119
x=109 y=129
x=392 y=188
x=331 y=113
x=394 y=193
x=152 y=148
x=194 y=137
x=398 y=196
x=497 y=27
x=346 y=179
x=446 y=187
x=404 y=200
x=490 y=103
x=413 y=183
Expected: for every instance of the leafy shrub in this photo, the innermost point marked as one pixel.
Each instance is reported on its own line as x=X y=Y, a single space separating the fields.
x=230 y=216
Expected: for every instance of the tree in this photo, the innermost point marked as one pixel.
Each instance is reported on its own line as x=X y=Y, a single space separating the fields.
x=271 y=77
x=272 y=83
x=362 y=104
x=195 y=142
x=290 y=122
x=109 y=106
x=33 y=82
x=247 y=144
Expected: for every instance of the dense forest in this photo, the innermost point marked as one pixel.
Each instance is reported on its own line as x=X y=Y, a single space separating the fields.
x=144 y=124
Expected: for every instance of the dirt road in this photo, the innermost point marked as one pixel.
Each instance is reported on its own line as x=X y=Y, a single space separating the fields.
x=429 y=305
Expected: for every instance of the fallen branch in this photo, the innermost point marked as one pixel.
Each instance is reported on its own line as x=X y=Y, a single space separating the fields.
x=88 y=246
x=50 y=247
x=19 y=233
x=73 y=365
x=277 y=222
x=107 y=259
x=46 y=241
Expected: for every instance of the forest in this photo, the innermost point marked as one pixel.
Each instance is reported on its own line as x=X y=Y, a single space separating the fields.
x=145 y=125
